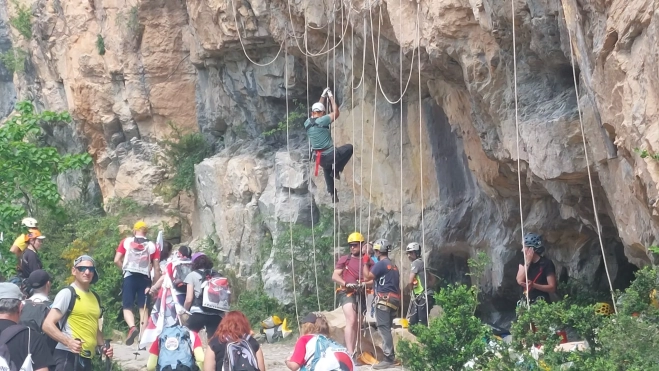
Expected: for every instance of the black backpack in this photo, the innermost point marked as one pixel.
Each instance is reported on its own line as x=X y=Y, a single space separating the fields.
x=6 y=362
x=72 y=303
x=34 y=313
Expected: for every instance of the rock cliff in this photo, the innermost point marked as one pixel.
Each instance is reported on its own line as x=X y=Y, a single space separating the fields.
x=228 y=68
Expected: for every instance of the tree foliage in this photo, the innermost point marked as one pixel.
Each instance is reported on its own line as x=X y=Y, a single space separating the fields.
x=22 y=22
x=182 y=152
x=27 y=169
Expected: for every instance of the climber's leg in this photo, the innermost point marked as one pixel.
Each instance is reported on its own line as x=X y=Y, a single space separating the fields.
x=343 y=155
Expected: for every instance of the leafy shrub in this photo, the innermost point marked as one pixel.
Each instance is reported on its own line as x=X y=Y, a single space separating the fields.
x=14 y=60
x=182 y=152
x=129 y=20
x=27 y=169
x=257 y=306
x=100 y=44
x=22 y=22
x=295 y=119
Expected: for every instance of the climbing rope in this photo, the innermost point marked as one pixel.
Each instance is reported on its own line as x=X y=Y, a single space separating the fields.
x=240 y=38
x=590 y=179
x=519 y=160
x=313 y=231
x=377 y=58
x=400 y=33
x=423 y=222
x=322 y=52
x=290 y=223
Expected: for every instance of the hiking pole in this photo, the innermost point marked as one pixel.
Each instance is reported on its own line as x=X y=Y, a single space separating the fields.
x=108 y=361
x=143 y=316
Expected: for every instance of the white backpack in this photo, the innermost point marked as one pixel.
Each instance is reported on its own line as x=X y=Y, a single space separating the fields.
x=138 y=258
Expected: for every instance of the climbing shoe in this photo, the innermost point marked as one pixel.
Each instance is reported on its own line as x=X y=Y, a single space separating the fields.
x=132 y=334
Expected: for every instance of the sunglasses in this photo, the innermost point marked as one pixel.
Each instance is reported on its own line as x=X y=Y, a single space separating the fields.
x=84 y=269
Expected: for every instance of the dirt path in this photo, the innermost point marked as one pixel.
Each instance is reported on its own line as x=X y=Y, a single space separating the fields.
x=275 y=355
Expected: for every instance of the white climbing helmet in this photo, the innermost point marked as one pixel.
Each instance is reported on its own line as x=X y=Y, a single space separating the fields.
x=382 y=245
x=29 y=222
x=413 y=247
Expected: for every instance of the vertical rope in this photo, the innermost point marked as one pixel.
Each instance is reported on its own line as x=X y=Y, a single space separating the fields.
x=288 y=149
x=590 y=179
x=352 y=105
x=361 y=146
x=423 y=222
x=519 y=160
x=313 y=232
x=400 y=34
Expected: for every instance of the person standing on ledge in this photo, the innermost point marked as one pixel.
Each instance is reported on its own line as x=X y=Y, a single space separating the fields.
x=330 y=158
x=537 y=269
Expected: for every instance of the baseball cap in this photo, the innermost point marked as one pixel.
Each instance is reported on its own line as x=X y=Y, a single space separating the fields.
x=10 y=291
x=318 y=107
x=87 y=258
x=197 y=254
x=310 y=318
x=140 y=225
x=37 y=279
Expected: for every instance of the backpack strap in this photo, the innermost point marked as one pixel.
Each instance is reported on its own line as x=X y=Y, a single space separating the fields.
x=10 y=332
x=72 y=303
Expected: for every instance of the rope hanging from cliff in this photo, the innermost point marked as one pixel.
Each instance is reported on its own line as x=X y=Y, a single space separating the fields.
x=400 y=80
x=519 y=160
x=313 y=232
x=290 y=223
x=322 y=52
x=377 y=58
x=423 y=221
x=242 y=44
x=590 y=179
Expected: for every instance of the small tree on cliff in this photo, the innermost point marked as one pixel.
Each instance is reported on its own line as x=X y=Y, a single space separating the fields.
x=27 y=169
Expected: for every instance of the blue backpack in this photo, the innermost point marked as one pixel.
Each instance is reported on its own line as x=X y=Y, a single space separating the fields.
x=175 y=350
x=324 y=356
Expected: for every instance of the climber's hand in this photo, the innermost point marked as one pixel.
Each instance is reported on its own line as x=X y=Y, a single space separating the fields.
x=325 y=92
x=329 y=93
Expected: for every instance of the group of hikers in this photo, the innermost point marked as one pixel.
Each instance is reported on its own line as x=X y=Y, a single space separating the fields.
x=63 y=334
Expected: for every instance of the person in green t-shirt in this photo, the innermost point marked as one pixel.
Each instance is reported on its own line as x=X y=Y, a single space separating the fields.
x=330 y=158
x=423 y=299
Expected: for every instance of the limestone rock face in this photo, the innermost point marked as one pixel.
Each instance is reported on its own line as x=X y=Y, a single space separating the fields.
x=445 y=166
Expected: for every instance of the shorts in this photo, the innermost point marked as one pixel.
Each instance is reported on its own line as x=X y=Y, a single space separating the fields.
x=198 y=321
x=134 y=285
x=352 y=297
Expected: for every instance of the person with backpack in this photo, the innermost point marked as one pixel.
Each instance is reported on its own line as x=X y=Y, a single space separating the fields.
x=536 y=273
x=37 y=306
x=330 y=158
x=314 y=350
x=206 y=301
x=20 y=244
x=350 y=274
x=178 y=348
x=178 y=268
x=19 y=343
x=136 y=257
x=232 y=348
x=30 y=261
x=422 y=298
x=76 y=311
x=386 y=277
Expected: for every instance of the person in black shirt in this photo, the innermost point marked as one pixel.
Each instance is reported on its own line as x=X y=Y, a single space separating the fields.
x=536 y=274
x=10 y=312
x=30 y=261
x=386 y=279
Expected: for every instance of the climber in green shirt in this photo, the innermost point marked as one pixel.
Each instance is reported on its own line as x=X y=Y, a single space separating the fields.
x=330 y=158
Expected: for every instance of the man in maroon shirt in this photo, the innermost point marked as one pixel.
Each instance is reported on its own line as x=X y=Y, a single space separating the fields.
x=350 y=273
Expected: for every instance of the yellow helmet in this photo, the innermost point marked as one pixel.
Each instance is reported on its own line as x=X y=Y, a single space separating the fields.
x=140 y=225
x=355 y=237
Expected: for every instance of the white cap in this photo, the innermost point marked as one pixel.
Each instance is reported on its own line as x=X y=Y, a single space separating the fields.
x=318 y=107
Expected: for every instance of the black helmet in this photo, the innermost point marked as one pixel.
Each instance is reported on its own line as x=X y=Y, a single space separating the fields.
x=534 y=241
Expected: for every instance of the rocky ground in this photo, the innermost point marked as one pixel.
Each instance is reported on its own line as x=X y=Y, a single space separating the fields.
x=275 y=355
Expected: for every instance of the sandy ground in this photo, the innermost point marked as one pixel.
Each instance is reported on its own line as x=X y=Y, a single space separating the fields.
x=275 y=355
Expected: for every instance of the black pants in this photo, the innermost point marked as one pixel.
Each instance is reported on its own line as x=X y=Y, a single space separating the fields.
x=67 y=361
x=343 y=155
x=418 y=311
x=197 y=321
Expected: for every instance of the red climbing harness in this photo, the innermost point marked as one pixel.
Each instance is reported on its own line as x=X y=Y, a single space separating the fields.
x=318 y=154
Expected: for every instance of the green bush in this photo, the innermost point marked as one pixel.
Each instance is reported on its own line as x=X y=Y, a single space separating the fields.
x=100 y=44
x=182 y=152
x=22 y=22
x=296 y=118
x=14 y=60
x=258 y=306
x=129 y=20
x=27 y=169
